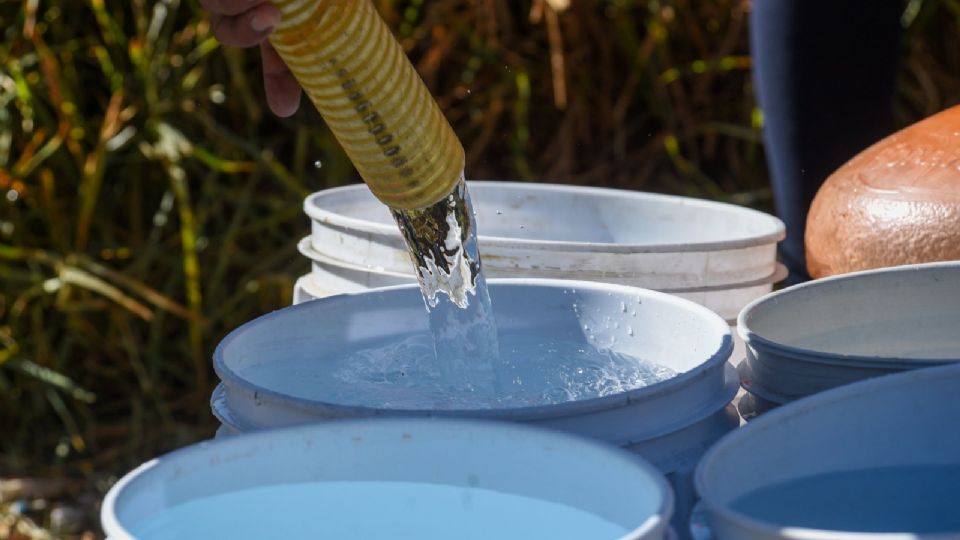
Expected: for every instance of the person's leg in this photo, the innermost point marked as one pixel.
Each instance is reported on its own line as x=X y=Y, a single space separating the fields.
x=824 y=72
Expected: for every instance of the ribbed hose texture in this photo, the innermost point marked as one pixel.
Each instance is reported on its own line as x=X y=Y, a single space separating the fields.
x=355 y=73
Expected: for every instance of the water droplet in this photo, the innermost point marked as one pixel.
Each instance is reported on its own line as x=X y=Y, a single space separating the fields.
x=629 y=330
x=317 y=164
x=499 y=212
x=623 y=307
x=216 y=94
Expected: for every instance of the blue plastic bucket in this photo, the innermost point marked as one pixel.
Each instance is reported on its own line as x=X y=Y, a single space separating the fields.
x=877 y=459
x=393 y=478
x=670 y=423
x=829 y=332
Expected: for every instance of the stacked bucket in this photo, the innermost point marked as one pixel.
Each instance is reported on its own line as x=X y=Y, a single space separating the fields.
x=846 y=328
x=558 y=258
x=718 y=255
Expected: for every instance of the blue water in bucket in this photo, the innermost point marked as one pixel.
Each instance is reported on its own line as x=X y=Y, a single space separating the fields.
x=536 y=370
x=906 y=499
x=374 y=510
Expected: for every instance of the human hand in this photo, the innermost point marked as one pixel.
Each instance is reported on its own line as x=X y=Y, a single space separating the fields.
x=245 y=23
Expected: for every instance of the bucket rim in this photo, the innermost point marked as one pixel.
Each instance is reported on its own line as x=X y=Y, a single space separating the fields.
x=305 y=247
x=812 y=404
x=746 y=374
x=757 y=388
x=717 y=358
x=775 y=230
x=222 y=412
x=758 y=341
x=660 y=517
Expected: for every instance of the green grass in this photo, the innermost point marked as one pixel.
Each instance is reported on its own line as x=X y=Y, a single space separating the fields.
x=149 y=203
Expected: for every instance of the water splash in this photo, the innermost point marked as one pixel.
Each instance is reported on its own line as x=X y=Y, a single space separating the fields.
x=442 y=242
x=541 y=371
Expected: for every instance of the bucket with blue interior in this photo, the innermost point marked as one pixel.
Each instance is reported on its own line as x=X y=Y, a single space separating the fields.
x=638 y=369
x=393 y=478
x=834 y=331
x=876 y=459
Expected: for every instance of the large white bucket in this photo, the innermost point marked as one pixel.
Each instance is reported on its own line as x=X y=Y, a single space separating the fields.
x=720 y=255
x=329 y=277
x=876 y=459
x=670 y=423
x=397 y=478
x=829 y=332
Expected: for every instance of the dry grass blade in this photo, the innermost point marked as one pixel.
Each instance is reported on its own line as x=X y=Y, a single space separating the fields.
x=147 y=293
x=51 y=378
x=72 y=275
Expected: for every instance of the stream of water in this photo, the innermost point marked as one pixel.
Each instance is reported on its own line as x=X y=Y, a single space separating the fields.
x=442 y=242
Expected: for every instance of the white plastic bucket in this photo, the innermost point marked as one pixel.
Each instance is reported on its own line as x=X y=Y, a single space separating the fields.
x=329 y=277
x=670 y=423
x=872 y=429
x=829 y=332
x=468 y=461
x=660 y=242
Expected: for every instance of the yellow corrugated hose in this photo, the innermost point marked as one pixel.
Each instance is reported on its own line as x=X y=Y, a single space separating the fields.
x=355 y=73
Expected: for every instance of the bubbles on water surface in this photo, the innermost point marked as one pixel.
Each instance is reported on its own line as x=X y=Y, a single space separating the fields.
x=538 y=372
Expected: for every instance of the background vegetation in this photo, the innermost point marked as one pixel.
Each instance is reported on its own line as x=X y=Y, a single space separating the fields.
x=149 y=203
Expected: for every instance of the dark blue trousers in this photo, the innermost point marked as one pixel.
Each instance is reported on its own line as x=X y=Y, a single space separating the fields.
x=824 y=72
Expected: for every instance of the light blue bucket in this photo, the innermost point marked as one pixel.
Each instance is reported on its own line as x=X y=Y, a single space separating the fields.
x=877 y=459
x=670 y=423
x=393 y=478
x=834 y=331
